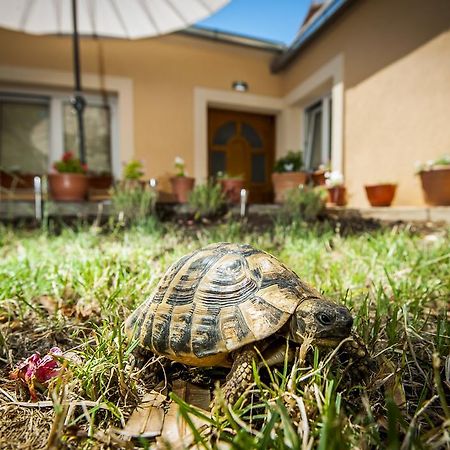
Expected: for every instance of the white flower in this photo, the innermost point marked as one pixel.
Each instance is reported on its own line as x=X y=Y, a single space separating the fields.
x=179 y=161
x=289 y=167
x=334 y=178
x=418 y=166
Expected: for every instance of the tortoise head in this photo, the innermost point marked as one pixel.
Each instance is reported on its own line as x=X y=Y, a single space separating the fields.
x=326 y=322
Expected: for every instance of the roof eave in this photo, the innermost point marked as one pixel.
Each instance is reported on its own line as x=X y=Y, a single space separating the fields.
x=233 y=39
x=323 y=19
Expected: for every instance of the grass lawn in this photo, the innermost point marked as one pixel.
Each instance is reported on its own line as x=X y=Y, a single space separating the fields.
x=74 y=290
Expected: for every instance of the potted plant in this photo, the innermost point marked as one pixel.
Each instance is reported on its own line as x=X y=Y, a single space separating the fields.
x=207 y=201
x=100 y=180
x=182 y=185
x=16 y=180
x=337 y=193
x=231 y=186
x=381 y=194
x=69 y=181
x=132 y=173
x=287 y=175
x=318 y=175
x=435 y=179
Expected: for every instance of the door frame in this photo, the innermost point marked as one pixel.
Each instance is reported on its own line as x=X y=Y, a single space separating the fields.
x=264 y=125
x=212 y=98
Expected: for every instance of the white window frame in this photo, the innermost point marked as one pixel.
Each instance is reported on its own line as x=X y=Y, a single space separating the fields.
x=56 y=103
x=327 y=78
x=310 y=112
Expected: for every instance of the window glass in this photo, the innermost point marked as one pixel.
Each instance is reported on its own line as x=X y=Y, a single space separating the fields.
x=24 y=135
x=217 y=163
x=249 y=133
x=224 y=133
x=258 y=168
x=318 y=134
x=316 y=144
x=97 y=135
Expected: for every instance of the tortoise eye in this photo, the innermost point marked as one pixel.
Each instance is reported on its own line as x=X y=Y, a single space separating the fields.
x=325 y=319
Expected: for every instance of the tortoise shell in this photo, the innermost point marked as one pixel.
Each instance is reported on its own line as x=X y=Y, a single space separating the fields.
x=215 y=300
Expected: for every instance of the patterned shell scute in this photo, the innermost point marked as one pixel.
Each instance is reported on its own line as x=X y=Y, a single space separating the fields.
x=216 y=300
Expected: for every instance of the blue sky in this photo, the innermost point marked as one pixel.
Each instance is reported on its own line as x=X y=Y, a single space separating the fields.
x=276 y=20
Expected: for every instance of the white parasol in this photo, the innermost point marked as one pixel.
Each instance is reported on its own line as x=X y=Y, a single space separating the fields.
x=127 y=19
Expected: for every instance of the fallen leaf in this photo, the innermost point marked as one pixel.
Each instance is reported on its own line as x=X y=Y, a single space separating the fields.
x=50 y=304
x=86 y=308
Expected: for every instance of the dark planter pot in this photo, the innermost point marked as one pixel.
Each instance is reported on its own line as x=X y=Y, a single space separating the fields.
x=318 y=178
x=381 y=194
x=100 y=181
x=68 y=186
x=337 y=195
x=182 y=187
x=436 y=186
x=283 y=182
x=19 y=181
x=232 y=189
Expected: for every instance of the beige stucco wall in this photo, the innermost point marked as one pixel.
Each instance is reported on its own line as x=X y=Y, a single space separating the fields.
x=164 y=72
x=397 y=89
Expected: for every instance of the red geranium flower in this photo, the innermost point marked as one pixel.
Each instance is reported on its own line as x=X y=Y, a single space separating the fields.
x=67 y=156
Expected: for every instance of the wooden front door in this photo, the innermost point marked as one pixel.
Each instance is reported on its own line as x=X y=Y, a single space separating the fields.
x=243 y=144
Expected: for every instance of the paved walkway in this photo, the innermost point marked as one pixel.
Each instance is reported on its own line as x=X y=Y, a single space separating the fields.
x=26 y=209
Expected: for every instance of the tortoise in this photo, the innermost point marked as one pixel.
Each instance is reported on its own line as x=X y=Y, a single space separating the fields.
x=224 y=303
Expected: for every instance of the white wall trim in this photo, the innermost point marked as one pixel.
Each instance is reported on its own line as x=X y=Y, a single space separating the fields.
x=288 y=111
x=204 y=98
x=122 y=86
x=331 y=72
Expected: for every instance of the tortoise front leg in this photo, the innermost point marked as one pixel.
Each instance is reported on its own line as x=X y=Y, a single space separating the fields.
x=241 y=374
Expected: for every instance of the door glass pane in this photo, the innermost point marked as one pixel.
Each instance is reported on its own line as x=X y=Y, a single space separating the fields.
x=259 y=168
x=224 y=133
x=24 y=136
x=249 y=133
x=217 y=162
x=97 y=131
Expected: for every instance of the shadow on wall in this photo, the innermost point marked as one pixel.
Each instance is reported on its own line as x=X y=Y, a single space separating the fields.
x=384 y=31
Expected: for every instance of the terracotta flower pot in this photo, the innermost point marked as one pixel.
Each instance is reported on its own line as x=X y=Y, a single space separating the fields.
x=436 y=186
x=68 y=186
x=232 y=189
x=381 y=194
x=19 y=181
x=318 y=177
x=283 y=182
x=100 y=181
x=337 y=195
x=181 y=187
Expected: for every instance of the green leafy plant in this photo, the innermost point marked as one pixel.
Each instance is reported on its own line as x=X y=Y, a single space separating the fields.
x=180 y=167
x=70 y=164
x=133 y=203
x=226 y=176
x=304 y=203
x=207 y=200
x=431 y=164
x=133 y=170
x=292 y=162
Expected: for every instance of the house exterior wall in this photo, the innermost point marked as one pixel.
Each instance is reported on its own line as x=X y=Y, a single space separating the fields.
x=396 y=78
x=385 y=62
x=163 y=72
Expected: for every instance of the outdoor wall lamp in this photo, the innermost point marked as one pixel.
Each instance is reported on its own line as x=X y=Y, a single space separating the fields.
x=240 y=86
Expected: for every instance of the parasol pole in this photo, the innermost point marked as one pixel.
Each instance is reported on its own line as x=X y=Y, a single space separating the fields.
x=78 y=101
